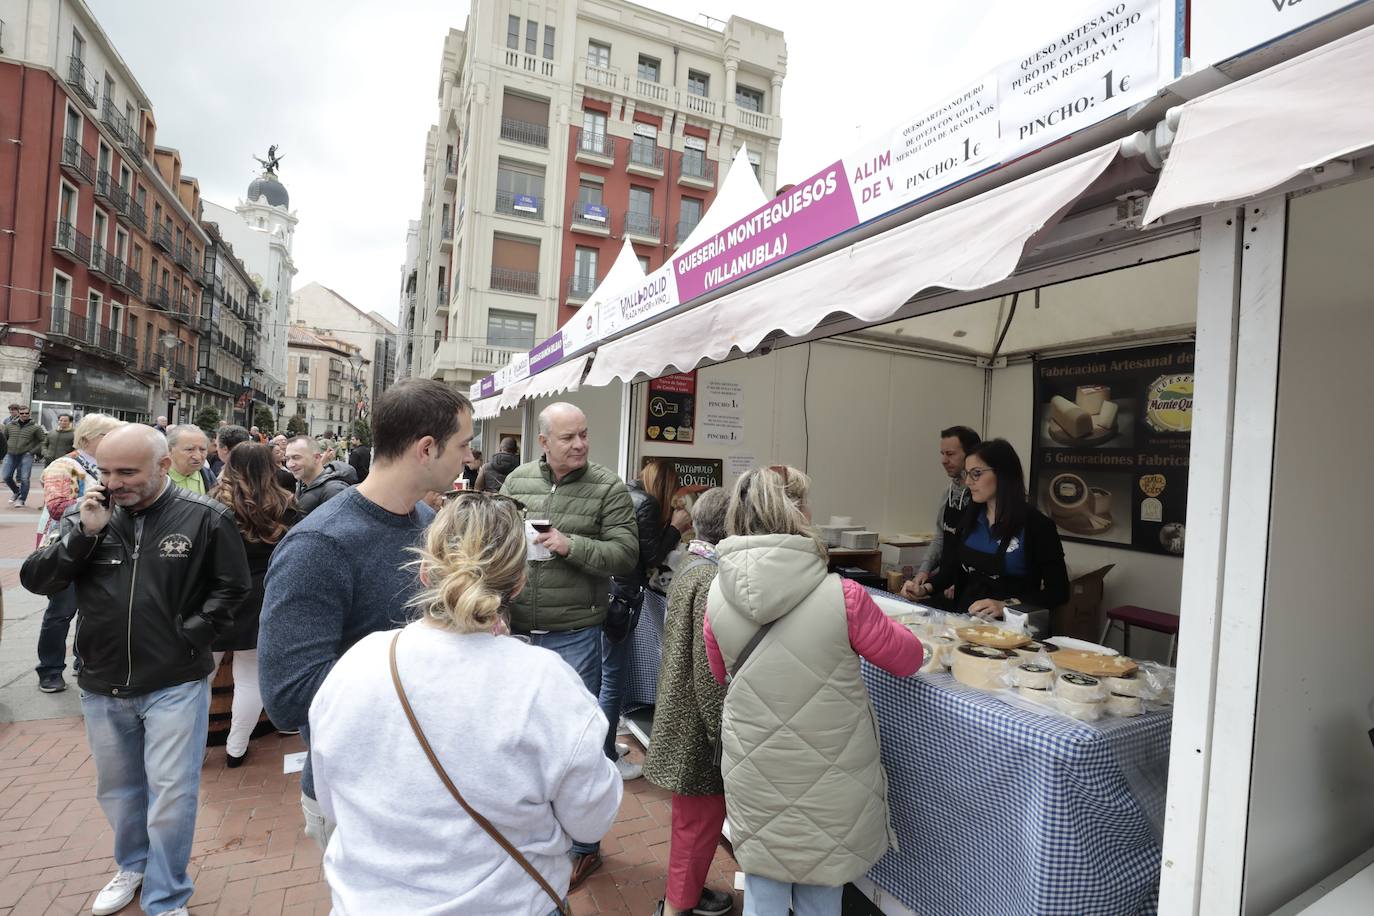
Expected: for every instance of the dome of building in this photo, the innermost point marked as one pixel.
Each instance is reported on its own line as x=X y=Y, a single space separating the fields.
x=268 y=186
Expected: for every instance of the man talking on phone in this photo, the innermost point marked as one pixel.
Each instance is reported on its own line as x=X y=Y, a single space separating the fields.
x=159 y=572
x=582 y=516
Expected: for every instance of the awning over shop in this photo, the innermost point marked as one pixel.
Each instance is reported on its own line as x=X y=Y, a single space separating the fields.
x=563 y=377
x=487 y=408
x=1250 y=136
x=970 y=245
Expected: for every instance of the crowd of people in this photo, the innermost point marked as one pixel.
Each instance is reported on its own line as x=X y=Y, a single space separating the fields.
x=451 y=638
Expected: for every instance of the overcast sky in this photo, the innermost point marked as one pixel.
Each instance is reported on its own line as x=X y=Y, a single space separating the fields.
x=347 y=89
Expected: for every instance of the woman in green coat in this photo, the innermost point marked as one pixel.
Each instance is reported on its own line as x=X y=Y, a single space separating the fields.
x=687 y=724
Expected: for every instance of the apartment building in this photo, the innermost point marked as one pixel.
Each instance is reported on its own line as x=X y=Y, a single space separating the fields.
x=324 y=381
x=105 y=272
x=229 y=366
x=563 y=130
x=318 y=306
x=408 y=300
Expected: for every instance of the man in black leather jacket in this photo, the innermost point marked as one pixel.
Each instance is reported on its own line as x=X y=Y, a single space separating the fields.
x=158 y=573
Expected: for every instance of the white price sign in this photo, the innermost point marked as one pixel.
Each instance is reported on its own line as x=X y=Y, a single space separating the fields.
x=1222 y=29
x=1102 y=64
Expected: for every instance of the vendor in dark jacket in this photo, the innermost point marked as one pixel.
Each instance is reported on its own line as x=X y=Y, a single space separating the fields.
x=316 y=482
x=1004 y=548
x=159 y=572
x=493 y=473
x=661 y=527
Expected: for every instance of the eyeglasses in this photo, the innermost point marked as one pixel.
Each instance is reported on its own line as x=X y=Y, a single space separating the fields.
x=456 y=494
x=976 y=474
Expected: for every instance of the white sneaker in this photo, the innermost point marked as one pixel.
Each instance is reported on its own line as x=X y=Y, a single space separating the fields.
x=622 y=727
x=179 y=911
x=116 y=895
x=628 y=770
x=621 y=749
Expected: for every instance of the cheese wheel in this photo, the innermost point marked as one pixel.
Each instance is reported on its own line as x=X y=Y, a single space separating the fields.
x=1080 y=688
x=1038 y=677
x=1092 y=397
x=1035 y=647
x=931 y=660
x=980 y=666
x=944 y=648
x=1124 y=706
x=1085 y=712
x=1072 y=419
x=1106 y=417
x=1034 y=694
x=1129 y=686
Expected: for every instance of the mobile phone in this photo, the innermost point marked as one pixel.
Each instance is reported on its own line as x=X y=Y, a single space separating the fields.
x=103 y=497
x=541 y=525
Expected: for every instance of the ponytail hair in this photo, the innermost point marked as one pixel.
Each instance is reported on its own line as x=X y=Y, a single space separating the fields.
x=472 y=563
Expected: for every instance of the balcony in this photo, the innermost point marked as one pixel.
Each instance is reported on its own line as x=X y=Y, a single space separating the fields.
x=525 y=206
x=76 y=162
x=594 y=148
x=181 y=312
x=116 y=122
x=105 y=263
x=699 y=104
x=132 y=281
x=115 y=343
x=137 y=217
x=525 y=132
x=684 y=229
x=592 y=219
x=753 y=120
x=446 y=238
x=159 y=297
x=162 y=238
x=580 y=287
x=697 y=171
x=70 y=327
x=522 y=282
x=646 y=158
x=643 y=226
x=529 y=63
x=71 y=242
x=451 y=172
x=605 y=77
x=133 y=144
x=105 y=187
x=652 y=90
x=186 y=257
x=82 y=82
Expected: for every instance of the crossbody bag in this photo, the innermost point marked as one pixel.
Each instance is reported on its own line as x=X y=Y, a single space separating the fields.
x=560 y=903
x=730 y=676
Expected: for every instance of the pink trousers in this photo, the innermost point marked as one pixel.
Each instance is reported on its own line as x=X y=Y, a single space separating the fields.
x=697 y=821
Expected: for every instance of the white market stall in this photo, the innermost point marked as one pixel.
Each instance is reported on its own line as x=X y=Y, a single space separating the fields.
x=861 y=346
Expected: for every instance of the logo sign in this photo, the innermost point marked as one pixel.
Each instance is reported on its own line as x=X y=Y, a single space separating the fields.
x=1169 y=404
x=174 y=547
x=595 y=212
x=1152 y=485
x=1223 y=29
x=525 y=203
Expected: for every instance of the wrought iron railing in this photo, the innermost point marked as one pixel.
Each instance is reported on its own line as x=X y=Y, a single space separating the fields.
x=526 y=206
x=524 y=282
x=525 y=132
x=642 y=224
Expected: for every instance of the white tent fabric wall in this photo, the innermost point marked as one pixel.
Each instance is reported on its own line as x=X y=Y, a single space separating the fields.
x=1246 y=138
x=967 y=246
x=563 y=377
x=738 y=196
x=487 y=408
x=583 y=327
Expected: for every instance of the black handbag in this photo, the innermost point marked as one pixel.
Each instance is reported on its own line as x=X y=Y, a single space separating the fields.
x=622 y=611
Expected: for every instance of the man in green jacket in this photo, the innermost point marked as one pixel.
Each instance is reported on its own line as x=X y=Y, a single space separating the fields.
x=62 y=440
x=25 y=438
x=592 y=535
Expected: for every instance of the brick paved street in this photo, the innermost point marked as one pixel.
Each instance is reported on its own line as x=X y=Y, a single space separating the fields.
x=250 y=855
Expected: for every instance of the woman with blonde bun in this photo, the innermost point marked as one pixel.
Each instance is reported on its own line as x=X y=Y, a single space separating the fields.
x=509 y=723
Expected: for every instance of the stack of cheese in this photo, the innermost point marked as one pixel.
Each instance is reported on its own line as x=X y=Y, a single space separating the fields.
x=1092 y=412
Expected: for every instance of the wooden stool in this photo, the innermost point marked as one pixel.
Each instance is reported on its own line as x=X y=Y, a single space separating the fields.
x=1128 y=615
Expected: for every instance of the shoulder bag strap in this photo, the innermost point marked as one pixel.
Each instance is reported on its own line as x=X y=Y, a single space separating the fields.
x=482 y=822
x=749 y=648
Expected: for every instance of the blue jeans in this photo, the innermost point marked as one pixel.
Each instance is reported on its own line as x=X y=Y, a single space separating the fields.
x=582 y=650
x=17 y=470
x=52 y=635
x=148 y=751
x=615 y=669
x=766 y=897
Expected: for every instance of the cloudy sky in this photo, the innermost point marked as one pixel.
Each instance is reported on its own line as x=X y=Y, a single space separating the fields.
x=347 y=89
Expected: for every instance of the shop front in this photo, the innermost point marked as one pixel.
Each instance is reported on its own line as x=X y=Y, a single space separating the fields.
x=85 y=386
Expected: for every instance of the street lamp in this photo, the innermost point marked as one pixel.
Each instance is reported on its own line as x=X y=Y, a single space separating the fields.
x=356 y=360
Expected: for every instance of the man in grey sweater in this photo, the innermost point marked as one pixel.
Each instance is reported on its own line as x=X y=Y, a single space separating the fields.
x=344 y=571
x=955 y=444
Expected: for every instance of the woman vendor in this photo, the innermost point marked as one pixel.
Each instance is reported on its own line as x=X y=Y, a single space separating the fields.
x=1007 y=551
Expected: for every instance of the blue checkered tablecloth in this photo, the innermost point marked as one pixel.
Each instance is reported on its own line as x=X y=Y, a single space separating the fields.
x=646 y=652
x=999 y=809
x=1002 y=809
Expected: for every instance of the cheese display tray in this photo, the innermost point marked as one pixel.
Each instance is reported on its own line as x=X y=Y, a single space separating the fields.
x=1095 y=664
x=1096 y=437
x=996 y=637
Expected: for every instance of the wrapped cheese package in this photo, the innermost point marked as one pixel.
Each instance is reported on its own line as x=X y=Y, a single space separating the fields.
x=980 y=666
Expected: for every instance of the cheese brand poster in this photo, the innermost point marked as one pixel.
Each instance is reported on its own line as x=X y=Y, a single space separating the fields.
x=1109 y=463
x=670 y=413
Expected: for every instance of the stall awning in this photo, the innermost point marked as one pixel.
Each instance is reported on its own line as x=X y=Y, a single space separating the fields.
x=1250 y=136
x=563 y=377
x=487 y=408
x=967 y=246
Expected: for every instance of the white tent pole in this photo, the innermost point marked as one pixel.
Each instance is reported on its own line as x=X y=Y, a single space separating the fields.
x=626 y=421
x=1219 y=267
x=1247 y=546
